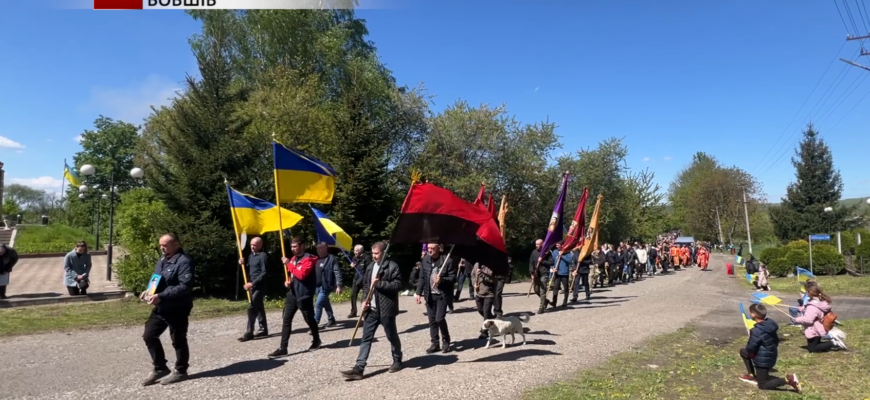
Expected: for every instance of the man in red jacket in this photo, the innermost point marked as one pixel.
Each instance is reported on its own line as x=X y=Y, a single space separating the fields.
x=300 y=296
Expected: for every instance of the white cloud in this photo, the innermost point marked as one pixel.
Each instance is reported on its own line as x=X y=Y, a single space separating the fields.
x=78 y=139
x=668 y=158
x=132 y=103
x=645 y=159
x=47 y=183
x=9 y=143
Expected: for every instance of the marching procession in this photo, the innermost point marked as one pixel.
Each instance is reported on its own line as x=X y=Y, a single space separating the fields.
x=462 y=241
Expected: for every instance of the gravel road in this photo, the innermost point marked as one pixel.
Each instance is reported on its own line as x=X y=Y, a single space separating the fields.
x=110 y=363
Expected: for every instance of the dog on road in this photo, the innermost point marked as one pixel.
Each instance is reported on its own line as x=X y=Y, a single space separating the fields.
x=504 y=326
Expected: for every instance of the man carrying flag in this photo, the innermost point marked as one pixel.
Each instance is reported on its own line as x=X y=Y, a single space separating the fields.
x=554 y=234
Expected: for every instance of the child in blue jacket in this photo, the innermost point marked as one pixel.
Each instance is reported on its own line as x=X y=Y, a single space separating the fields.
x=760 y=353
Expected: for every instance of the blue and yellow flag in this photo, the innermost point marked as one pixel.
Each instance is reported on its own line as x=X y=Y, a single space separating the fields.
x=804 y=275
x=329 y=232
x=300 y=178
x=747 y=322
x=739 y=260
x=254 y=216
x=70 y=175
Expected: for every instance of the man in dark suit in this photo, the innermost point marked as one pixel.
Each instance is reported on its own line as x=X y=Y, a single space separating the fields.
x=172 y=303
x=383 y=277
x=359 y=263
x=436 y=287
x=256 y=263
x=328 y=281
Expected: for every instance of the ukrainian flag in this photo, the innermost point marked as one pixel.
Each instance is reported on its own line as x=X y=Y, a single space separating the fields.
x=254 y=216
x=329 y=232
x=70 y=175
x=804 y=275
x=747 y=322
x=739 y=260
x=300 y=178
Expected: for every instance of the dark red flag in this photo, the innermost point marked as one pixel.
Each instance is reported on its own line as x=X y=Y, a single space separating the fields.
x=432 y=214
x=491 y=208
x=577 y=231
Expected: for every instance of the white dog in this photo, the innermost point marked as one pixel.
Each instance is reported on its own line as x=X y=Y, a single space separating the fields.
x=505 y=326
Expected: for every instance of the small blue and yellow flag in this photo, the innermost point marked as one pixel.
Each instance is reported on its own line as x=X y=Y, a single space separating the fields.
x=70 y=175
x=329 y=232
x=803 y=275
x=739 y=260
x=254 y=216
x=747 y=322
x=300 y=178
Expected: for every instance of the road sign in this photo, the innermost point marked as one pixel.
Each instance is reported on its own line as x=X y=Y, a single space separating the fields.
x=820 y=236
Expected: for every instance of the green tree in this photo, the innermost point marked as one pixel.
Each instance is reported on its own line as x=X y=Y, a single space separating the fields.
x=818 y=185
x=24 y=196
x=142 y=218
x=10 y=207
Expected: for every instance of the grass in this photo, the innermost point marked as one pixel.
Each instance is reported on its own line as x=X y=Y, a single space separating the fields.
x=839 y=285
x=688 y=368
x=126 y=312
x=54 y=238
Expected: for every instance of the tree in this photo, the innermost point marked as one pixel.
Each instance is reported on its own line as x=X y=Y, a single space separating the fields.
x=645 y=200
x=817 y=185
x=708 y=199
x=24 y=196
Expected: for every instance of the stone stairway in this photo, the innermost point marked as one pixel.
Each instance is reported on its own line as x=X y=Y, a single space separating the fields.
x=5 y=235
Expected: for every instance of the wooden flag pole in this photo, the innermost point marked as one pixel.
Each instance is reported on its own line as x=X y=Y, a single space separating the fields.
x=278 y=205
x=367 y=300
x=238 y=242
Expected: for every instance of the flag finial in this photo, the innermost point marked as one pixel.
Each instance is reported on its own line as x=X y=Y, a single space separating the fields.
x=415 y=177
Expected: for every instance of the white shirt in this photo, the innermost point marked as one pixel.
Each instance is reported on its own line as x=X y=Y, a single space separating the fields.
x=375 y=270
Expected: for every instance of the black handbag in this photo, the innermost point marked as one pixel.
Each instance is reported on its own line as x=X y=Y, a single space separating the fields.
x=83 y=284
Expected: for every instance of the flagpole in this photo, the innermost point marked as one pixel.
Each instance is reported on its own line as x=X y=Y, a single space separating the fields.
x=63 y=181
x=238 y=241
x=278 y=203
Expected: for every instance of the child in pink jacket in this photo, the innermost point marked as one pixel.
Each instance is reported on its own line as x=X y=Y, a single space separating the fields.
x=814 y=313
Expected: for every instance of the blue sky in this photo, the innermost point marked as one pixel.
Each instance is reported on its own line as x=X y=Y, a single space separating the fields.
x=673 y=77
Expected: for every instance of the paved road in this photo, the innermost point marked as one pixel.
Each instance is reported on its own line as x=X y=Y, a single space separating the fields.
x=43 y=277
x=111 y=363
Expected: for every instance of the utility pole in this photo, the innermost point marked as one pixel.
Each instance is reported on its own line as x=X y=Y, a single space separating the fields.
x=746 y=214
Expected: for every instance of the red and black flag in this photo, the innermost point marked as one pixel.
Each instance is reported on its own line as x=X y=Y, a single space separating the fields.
x=491 y=208
x=434 y=214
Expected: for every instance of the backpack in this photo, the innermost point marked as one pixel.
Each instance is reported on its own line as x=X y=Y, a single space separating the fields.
x=828 y=320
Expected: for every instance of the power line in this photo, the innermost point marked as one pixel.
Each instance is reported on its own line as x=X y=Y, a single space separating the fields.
x=845 y=25
x=802 y=105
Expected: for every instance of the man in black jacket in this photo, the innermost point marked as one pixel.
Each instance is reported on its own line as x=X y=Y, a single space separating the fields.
x=384 y=278
x=8 y=259
x=256 y=263
x=300 y=296
x=539 y=269
x=173 y=302
x=435 y=286
x=360 y=260
x=328 y=280
x=612 y=258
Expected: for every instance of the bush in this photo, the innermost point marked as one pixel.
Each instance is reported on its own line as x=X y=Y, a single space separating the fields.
x=798 y=257
x=140 y=217
x=863 y=250
x=771 y=253
x=826 y=258
x=780 y=267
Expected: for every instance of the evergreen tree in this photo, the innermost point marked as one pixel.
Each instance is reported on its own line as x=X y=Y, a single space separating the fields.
x=818 y=185
x=200 y=144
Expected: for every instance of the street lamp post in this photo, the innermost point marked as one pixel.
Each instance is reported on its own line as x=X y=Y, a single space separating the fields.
x=88 y=170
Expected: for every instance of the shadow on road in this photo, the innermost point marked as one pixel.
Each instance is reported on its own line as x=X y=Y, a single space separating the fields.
x=515 y=355
x=430 y=360
x=239 y=368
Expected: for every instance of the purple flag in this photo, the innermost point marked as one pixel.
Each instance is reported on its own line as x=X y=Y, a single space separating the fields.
x=556 y=228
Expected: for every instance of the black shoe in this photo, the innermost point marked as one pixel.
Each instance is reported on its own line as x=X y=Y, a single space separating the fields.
x=588 y=298
x=425 y=313
x=552 y=303
x=315 y=345
x=174 y=377
x=483 y=335
x=574 y=300
x=541 y=310
x=155 y=377
x=278 y=353
x=261 y=334
x=351 y=315
x=445 y=348
x=499 y=315
x=246 y=337
x=353 y=374
x=432 y=349
x=329 y=324
x=396 y=367
x=565 y=303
